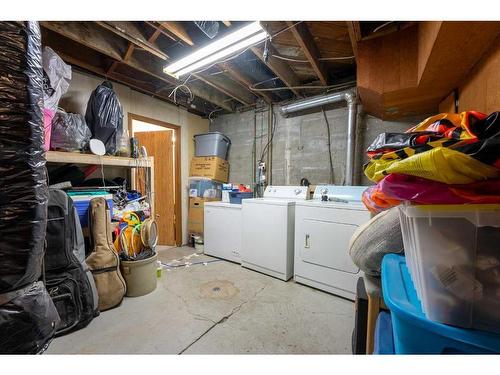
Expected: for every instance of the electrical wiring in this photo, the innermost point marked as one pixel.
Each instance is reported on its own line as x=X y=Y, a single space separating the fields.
x=174 y=92
x=329 y=144
x=382 y=26
x=266 y=147
x=304 y=87
x=291 y=59
x=210 y=114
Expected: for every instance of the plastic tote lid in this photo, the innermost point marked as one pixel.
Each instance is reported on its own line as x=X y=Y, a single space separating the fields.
x=225 y=137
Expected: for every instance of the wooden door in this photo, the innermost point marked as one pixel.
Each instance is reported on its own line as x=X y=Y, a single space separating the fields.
x=160 y=145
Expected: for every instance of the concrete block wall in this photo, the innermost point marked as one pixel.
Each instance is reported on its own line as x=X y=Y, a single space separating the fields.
x=299 y=145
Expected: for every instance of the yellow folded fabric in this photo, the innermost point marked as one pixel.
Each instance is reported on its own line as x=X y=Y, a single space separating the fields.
x=439 y=164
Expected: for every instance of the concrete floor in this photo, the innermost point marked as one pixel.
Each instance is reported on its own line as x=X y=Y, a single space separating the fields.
x=217 y=308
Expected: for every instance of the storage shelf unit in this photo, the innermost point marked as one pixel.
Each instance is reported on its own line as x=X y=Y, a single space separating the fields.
x=78 y=158
x=114 y=161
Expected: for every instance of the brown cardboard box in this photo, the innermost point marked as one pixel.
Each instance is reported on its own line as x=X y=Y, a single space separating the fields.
x=196 y=214
x=210 y=167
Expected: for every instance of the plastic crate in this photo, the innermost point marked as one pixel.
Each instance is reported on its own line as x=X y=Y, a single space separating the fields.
x=212 y=144
x=204 y=188
x=413 y=332
x=235 y=197
x=454 y=262
x=383 y=340
x=82 y=203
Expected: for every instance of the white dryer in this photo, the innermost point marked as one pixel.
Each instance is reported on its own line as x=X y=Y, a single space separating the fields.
x=268 y=230
x=323 y=229
x=222 y=230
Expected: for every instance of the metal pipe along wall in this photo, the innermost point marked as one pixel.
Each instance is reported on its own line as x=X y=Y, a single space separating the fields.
x=349 y=96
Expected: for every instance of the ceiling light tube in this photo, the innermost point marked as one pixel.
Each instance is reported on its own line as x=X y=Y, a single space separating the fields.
x=224 y=53
x=216 y=46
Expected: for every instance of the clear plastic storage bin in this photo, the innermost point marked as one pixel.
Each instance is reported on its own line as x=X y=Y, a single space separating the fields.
x=453 y=255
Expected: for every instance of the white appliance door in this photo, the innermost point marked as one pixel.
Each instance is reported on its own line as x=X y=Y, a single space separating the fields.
x=267 y=236
x=326 y=243
x=222 y=235
x=326 y=234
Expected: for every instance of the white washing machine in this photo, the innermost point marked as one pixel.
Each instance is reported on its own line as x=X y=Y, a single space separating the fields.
x=323 y=230
x=222 y=230
x=268 y=230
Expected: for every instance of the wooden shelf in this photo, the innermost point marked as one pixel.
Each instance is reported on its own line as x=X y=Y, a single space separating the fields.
x=78 y=158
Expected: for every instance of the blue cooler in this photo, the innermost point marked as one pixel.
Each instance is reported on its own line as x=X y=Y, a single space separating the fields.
x=383 y=340
x=413 y=333
x=81 y=201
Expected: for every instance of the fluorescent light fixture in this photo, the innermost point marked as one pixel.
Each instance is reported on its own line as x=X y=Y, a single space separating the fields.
x=232 y=43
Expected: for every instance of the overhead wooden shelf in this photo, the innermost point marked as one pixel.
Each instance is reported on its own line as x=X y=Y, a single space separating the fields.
x=77 y=158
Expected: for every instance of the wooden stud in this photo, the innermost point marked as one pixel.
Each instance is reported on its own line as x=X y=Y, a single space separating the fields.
x=178 y=30
x=129 y=31
x=279 y=67
x=232 y=71
x=354 y=36
x=306 y=42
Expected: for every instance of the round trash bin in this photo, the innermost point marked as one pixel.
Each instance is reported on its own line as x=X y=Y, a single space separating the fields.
x=140 y=275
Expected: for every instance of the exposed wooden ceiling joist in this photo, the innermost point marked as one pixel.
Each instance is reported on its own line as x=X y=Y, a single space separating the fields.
x=243 y=80
x=229 y=88
x=354 y=36
x=279 y=67
x=308 y=46
x=96 y=39
x=129 y=31
x=178 y=30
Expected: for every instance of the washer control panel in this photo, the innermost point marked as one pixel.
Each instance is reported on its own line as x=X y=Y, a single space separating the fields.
x=287 y=192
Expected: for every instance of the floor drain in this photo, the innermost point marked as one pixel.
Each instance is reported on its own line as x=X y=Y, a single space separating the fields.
x=218 y=289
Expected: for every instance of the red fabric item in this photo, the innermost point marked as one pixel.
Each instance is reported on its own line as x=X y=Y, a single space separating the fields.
x=395 y=188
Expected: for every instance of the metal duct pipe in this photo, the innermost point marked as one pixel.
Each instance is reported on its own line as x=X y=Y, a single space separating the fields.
x=349 y=96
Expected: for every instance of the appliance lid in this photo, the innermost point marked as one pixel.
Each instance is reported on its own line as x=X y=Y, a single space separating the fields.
x=295 y=193
x=342 y=193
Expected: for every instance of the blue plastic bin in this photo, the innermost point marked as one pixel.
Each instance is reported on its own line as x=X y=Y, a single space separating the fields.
x=82 y=203
x=383 y=340
x=413 y=333
x=235 y=197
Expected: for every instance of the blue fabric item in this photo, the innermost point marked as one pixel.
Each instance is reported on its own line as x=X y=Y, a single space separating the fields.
x=384 y=343
x=415 y=334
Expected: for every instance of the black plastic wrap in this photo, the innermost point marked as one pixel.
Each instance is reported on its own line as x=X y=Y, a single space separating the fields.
x=104 y=116
x=28 y=320
x=23 y=186
x=69 y=132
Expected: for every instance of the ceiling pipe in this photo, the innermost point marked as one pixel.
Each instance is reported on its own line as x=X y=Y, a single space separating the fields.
x=349 y=96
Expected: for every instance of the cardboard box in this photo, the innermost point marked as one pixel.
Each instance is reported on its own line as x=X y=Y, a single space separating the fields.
x=210 y=167
x=196 y=214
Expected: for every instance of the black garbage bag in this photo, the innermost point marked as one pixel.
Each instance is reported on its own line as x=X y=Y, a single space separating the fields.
x=23 y=185
x=69 y=132
x=104 y=116
x=26 y=311
x=28 y=320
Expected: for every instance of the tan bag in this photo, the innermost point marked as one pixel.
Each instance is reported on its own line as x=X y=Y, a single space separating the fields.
x=103 y=260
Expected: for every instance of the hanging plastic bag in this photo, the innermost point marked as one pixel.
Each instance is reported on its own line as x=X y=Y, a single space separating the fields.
x=104 y=116
x=69 y=132
x=57 y=75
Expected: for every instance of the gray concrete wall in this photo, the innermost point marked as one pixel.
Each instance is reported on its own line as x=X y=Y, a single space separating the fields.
x=299 y=145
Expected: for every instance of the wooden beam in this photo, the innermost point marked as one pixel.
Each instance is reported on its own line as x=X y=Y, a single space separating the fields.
x=278 y=66
x=227 y=23
x=306 y=42
x=234 y=73
x=178 y=30
x=354 y=35
x=96 y=39
x=228 y=87
x=129 y=31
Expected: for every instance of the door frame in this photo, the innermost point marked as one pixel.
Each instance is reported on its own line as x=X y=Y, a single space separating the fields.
x=177 y=168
